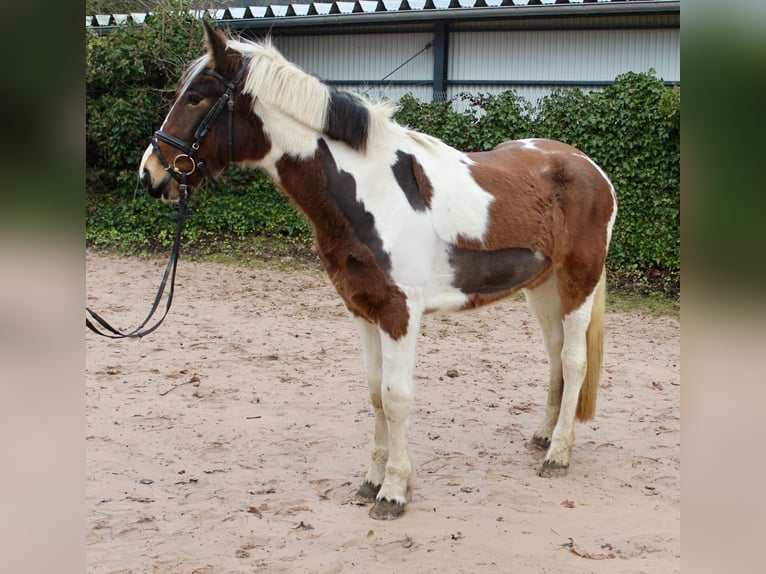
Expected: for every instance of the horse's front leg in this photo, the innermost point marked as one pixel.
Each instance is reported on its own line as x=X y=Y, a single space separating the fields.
x=397 y=394
x=370 y=337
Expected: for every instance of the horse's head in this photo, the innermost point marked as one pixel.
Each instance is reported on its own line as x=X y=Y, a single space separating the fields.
x=210 y=125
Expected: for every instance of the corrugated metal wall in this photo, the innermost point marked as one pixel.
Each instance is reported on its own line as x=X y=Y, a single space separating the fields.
x=582 y=58
x=353 y=61
x=562 y=55
x=359 y=57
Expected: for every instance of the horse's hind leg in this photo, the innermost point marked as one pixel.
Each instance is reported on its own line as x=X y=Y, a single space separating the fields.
x=574 y=365
x=567 y=342
x=370 y=337
x=545 y=303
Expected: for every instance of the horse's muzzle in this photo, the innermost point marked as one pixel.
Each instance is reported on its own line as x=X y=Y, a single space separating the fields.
x=164 y=188
x=146 y=182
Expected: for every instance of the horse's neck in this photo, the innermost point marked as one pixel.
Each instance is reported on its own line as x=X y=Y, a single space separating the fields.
x=287 y=136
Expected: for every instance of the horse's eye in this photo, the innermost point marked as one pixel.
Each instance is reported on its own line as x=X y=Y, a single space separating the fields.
x=193 y=99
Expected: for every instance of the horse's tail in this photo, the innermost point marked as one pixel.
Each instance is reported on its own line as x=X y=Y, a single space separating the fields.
x=594 y=337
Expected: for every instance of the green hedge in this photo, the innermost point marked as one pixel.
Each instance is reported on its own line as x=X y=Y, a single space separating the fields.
x=631 y=128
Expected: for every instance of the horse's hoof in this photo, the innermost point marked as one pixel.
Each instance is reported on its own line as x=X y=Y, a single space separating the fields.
x=367 y=492
x=386 y=510
x=541 y=441
x=552 y=468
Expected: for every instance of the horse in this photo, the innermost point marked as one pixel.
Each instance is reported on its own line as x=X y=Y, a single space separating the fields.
x=406 y=225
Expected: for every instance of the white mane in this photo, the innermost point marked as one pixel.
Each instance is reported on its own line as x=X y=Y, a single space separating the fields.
x=277 y=82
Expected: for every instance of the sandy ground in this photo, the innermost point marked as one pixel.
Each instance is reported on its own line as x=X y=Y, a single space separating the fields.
x=234 y=437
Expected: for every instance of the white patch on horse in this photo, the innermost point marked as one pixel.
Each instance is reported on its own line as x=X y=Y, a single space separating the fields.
x=287 y=136
x=147 y=154
x=453 y=185
x=529 y=143
x=419 y=256
x=574 y=361
x=398 y=398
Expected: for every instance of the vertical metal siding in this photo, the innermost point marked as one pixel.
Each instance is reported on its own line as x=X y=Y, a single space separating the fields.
x=537 y=57
x=360 y=57
x=564 y=55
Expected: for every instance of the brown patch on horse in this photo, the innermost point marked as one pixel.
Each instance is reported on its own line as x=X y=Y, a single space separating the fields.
x=353 y=266
x=548 y=198
x=251 y=144
x=424 y=184
x=413 y=181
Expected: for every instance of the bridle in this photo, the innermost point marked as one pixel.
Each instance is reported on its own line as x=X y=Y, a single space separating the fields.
x=190 y=150
x=98 y=324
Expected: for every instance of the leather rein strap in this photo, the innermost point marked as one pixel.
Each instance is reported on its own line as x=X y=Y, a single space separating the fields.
x=170 y=273
x=98 y=324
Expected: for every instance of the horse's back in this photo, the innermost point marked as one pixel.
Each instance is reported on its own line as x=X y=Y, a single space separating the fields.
x=542 y=187
x=542 y=165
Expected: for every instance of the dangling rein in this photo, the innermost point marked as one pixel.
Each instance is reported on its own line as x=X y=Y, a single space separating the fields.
x=189 y=151
x=170 y=272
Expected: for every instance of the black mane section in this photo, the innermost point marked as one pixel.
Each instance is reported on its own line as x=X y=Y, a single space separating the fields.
x=348 y=120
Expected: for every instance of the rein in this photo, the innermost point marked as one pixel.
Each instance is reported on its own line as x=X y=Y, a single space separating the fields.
x=170 y=273
x=189 y=151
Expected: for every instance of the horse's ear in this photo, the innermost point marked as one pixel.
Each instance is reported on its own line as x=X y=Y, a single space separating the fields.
x=215 y=40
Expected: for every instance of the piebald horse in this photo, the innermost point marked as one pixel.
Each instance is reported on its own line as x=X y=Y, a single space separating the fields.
x=406 y=225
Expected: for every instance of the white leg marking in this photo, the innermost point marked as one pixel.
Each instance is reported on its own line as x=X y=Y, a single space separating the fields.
x=545 y=303
x=370 y=337
x=397 y=391
x=574 y=363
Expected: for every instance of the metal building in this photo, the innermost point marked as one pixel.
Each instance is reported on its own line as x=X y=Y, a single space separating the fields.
x=436 y=49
